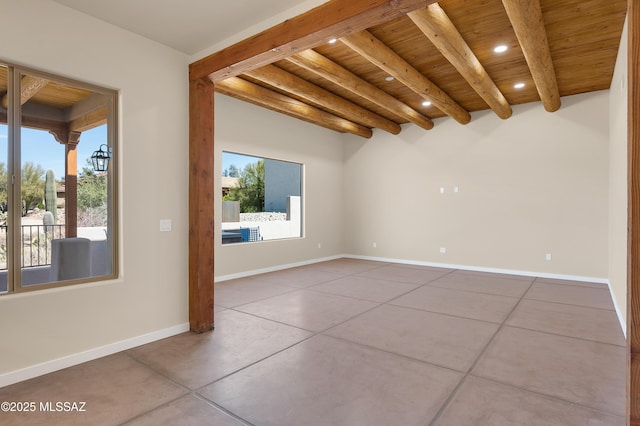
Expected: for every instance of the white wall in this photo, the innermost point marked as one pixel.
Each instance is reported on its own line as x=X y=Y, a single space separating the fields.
x=151 y=294
x=618 y=179
x=536 y=183
x=247 y=129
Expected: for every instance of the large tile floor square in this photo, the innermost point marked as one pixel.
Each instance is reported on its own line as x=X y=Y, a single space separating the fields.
x=405 y=274
x=246 y=290
x=498 y=284
x=325 y=381
x=301 y=277
x=108 y=390
x=571 y=295
x=372 y=289
x=188 y=410
x=443 y=340
x=575 y=370
x=358 y=342
x=480 y=306
x=481 y=402
x=195 y=360
x=568 y=320
x=310 y=310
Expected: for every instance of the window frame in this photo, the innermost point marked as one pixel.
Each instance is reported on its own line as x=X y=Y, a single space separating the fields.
x=14 y=130
x=301 y=233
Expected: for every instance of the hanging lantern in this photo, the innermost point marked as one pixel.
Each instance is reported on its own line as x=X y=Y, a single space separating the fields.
x=100 y=159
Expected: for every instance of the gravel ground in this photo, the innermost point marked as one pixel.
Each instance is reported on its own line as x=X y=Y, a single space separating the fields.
x=262 y=217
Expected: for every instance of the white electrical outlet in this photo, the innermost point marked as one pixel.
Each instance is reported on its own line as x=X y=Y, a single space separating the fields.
x=456 y=189
x=548 y=257
x=319 y=245
x=165 y=225
x=442 y=190
x=443 y=250
x=374 y=245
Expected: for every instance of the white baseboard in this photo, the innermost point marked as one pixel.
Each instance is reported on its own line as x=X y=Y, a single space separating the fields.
x=484 y=269
x=89 y=355
x=621 y=320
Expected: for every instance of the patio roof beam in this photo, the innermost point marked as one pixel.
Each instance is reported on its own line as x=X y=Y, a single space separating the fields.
x=29 y=87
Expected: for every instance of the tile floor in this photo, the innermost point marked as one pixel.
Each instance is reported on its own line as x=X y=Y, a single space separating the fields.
x=354 y=342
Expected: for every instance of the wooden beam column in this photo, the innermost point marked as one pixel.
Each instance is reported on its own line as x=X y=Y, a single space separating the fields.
x=71 y=185
x=633 y=252
x=201 y=195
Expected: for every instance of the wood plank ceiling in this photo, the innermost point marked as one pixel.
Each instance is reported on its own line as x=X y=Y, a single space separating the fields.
x=443 y=54
x=54 y=106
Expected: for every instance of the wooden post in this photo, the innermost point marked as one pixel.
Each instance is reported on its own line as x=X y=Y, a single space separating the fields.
x=71 y=185
x=201 y=195
x=633 y=252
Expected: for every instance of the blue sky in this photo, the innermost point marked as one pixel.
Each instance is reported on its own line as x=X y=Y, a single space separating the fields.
x=238 y=160
x=39 y=147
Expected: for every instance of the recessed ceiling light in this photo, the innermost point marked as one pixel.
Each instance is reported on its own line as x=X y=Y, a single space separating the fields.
x=389 y=78
x=500 y=48
x=332 y=40
x=426 y=103
x=518 y=85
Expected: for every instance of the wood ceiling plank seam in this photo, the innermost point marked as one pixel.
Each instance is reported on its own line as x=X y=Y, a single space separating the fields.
x=382 y=56
x=337 y=74
x=528 y=24
x=258 y=95
x=282 y=79
x=438 y=28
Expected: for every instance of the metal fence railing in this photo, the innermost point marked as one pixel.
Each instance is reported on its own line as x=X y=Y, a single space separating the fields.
x=35 y=244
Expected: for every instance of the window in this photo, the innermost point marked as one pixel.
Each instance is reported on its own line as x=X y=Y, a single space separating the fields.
x=261 y=199
x=57 y=211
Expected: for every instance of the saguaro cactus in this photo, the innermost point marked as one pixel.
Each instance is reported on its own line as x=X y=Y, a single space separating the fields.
x=50 y=196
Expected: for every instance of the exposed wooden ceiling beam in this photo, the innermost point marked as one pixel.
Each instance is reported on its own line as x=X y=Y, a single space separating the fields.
x=527 y=22
x=335 y=18
x=386 y=59
x=29 y=87
x=89 y=120
x=282 y=79
x=258 y=95
x=326 y=68
x=436 y=25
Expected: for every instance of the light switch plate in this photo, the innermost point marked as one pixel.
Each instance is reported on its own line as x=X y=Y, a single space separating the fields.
x=165 y=225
